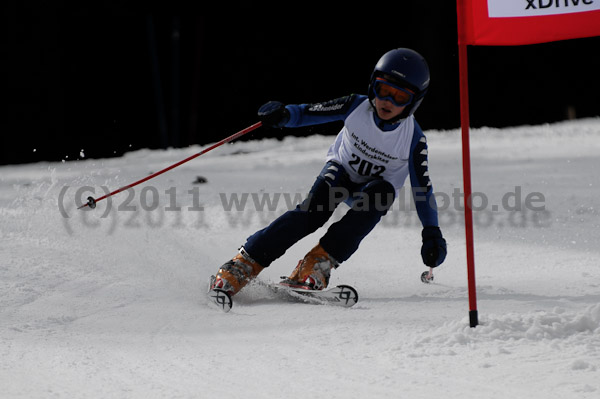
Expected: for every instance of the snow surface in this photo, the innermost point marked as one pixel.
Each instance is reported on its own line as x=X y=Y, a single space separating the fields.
x=110 y=303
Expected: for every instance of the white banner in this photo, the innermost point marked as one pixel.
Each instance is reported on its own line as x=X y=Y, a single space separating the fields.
x=535 y=8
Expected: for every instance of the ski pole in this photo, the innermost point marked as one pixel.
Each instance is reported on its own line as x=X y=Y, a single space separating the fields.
x=91 y=201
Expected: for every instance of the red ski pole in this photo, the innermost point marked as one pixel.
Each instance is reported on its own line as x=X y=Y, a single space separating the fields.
x=91 y=201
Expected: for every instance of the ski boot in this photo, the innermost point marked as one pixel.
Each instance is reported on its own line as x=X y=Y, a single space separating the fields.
x=236 y=273
x=312 y=272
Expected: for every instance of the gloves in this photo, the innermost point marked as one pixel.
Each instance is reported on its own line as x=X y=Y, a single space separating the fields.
x=433 y=250
x=273 y=114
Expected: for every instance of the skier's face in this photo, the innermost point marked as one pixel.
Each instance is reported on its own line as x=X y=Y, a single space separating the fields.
x=386 y=109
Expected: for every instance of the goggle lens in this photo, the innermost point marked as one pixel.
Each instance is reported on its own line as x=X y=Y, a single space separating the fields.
x=385 y=90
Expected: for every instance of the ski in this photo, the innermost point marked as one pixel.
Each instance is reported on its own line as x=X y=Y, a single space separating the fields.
x=221 y=299
x=340 y=295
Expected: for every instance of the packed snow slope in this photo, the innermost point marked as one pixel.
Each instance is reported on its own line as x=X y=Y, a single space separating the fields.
x=110 y=303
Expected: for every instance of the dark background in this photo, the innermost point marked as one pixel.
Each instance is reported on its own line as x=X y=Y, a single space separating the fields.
x=111 y=77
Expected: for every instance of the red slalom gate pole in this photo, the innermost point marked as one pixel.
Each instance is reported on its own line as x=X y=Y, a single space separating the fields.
x=92 y=202
x=466 y=159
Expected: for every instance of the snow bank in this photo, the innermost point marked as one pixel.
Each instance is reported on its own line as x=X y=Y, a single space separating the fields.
x=557 y=325
x=110 y=303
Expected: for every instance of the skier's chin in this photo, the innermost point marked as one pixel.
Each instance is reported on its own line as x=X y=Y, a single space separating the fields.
x=385 y=114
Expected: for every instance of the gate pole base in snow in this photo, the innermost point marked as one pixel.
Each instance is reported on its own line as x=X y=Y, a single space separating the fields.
x=473 y=318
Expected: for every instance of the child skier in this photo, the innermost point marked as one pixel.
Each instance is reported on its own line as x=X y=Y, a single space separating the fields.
x=379 y=146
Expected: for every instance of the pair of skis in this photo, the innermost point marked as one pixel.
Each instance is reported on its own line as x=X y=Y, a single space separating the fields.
x=340 y=295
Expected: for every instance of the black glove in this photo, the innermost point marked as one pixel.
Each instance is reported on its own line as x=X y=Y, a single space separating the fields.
x=433 y=250
x=273 y=114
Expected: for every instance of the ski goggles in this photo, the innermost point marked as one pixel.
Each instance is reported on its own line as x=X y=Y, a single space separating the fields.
x=384 y=90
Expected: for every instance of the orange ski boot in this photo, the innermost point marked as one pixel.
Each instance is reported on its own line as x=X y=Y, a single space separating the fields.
x=313 y=271
x=236 y=273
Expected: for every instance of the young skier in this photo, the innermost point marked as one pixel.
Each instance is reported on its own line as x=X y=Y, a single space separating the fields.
x=379 y=146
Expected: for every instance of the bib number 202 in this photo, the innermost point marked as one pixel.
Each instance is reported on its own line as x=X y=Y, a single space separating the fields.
x=364 y=167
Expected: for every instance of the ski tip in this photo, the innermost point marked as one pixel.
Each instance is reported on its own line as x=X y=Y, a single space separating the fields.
x=347 y=295
x=221 y=299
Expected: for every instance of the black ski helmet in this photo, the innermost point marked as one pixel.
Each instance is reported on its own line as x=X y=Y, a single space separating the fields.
x=405 y=68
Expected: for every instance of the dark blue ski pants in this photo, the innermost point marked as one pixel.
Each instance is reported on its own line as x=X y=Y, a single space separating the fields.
x=369 y=202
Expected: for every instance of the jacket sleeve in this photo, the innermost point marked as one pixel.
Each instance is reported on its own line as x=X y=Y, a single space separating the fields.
x=422 y=189
x=319 y=113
